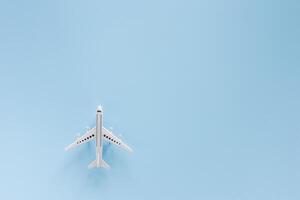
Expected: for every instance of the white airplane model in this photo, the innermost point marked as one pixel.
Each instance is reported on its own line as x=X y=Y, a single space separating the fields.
x=99 y=133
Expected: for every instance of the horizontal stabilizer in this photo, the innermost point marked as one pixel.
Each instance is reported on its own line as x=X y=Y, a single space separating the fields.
x=102 y=164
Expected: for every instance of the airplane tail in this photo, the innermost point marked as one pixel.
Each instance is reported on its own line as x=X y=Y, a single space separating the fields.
x=102 y=164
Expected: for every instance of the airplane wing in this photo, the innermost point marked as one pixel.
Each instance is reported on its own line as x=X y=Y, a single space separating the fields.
x=110 y=137
x=88 y=136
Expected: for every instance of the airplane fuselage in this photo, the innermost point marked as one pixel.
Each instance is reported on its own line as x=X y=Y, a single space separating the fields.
x=99 y=147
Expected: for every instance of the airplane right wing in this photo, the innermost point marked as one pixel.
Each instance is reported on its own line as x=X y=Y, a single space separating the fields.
x=88 y=136
x=111 y=138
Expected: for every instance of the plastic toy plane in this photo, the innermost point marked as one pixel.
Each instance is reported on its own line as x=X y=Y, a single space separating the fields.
x=99 y=133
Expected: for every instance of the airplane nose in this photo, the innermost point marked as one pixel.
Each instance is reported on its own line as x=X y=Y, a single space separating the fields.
x=99 y=108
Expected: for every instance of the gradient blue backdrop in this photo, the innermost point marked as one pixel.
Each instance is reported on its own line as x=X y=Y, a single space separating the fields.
x=206 y=93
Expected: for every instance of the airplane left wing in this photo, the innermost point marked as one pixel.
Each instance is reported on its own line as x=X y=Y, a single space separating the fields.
x=88 y=136
x=111 y=138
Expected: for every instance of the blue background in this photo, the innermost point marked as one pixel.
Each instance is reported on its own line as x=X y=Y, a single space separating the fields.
x=205 y=92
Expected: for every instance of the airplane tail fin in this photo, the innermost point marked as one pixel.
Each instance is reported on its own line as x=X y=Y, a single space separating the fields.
x=102 y=164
